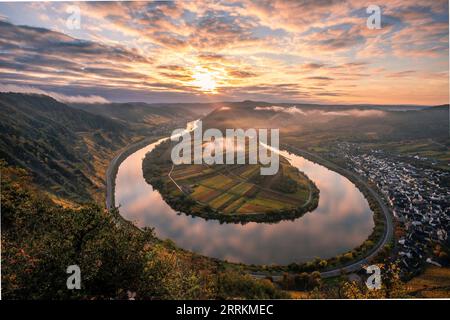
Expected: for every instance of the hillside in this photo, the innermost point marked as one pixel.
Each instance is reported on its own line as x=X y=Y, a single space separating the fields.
x=39 y=239
x=355 y=122
x=143 y=116
x=318 y=128
x=433 y=283
x=65 y=149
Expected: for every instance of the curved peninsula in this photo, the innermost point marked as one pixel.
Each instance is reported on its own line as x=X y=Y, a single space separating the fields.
x=230 y=193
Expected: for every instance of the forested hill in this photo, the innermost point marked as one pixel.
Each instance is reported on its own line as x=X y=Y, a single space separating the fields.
x=64 y=148
x=67 y=148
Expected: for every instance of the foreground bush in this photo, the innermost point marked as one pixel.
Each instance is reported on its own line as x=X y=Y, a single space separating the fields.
x=117 y=261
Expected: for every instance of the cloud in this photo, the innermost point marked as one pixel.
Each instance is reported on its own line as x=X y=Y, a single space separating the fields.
x=354 y=113
x=344 y=113
x=289 y=110
x=241 y=74
x=57 y=96
x=285 y=51
x=401 y=74
x=33 y=54
x=320 y=78
x=312 y=66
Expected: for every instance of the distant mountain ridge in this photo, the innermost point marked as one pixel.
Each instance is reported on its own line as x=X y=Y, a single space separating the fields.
x=393 y=107
x=142 y=112
x=333 y=122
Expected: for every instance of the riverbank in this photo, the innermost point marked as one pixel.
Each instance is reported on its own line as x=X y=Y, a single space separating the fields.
x=376 y=203
x=230 y=194
x=354 y=263
x=113 y=168
x=270 y=217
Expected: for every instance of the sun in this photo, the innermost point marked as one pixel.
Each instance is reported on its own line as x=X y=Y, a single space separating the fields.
x=204 y=80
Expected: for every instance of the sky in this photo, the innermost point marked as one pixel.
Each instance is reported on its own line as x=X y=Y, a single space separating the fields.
x=313 y=51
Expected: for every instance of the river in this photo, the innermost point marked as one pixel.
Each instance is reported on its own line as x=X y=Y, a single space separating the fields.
x=341 y=222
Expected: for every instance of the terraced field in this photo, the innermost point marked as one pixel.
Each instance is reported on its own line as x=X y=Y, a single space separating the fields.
x=229 y=190
x=240 y=189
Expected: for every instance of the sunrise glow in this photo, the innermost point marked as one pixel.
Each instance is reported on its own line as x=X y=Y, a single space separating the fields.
x=189 y=51
x=204 y=80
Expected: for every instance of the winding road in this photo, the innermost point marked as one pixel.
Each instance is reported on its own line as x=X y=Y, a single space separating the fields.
x=113 y=167
x=389 y=230
x=351 y=267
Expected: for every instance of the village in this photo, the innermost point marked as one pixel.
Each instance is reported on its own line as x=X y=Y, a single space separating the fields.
x=418 y=198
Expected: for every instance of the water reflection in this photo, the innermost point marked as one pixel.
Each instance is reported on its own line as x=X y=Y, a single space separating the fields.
x=342 y=220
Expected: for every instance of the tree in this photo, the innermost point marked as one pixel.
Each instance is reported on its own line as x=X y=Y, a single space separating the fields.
x=234 y=285
x=40 y=240
x=391 y=286
x=166 y=276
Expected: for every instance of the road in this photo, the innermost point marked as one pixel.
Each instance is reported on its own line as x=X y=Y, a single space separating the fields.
x=170 y=176
x=110 y=178
x=387 y=236
x=389 y=230
x=113 y=167
x=352 y=267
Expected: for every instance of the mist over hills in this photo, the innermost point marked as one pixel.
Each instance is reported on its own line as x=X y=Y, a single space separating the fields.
x=354 y=122
x=303 y=105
